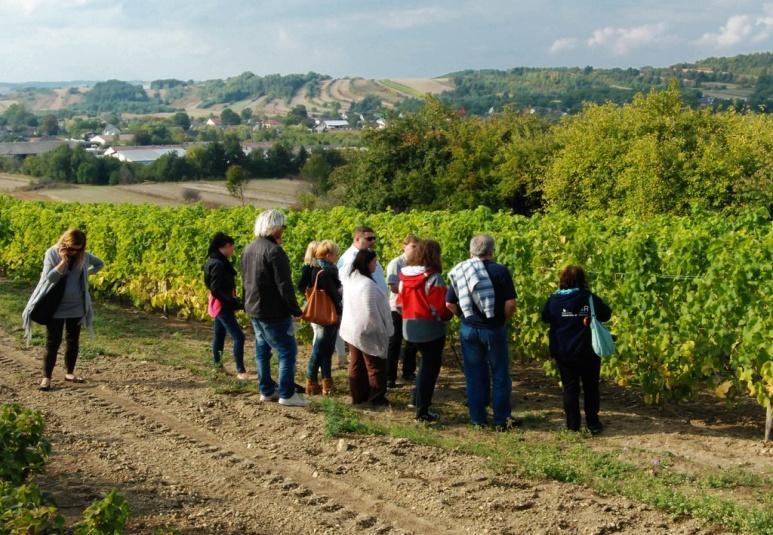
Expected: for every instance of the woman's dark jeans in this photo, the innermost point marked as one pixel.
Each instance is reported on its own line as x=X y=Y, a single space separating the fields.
x=225 y=322
x=54 y=340
x=431 y=359
x=322 y=353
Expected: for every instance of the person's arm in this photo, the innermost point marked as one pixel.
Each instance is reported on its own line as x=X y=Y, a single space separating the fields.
x=328 y=283
x=283 y=279
x=452 y=302
x=218 y=287
x=54 y=272
x=603 y=312
x=509 y=295
x=546 y=312
x=509 y=309
x=95 y=263
x=305 y=280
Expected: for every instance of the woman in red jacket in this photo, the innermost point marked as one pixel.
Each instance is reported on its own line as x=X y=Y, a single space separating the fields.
x=422 y=296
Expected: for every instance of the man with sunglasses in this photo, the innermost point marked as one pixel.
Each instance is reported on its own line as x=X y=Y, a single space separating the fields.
x=364 y=238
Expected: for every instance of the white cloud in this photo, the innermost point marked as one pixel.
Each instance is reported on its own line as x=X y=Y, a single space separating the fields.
x=622 y=40
x=740 y=29
x=736 y=29
x=564 y=43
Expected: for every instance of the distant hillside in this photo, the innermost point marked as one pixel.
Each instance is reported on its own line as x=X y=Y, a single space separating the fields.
x=565 y=89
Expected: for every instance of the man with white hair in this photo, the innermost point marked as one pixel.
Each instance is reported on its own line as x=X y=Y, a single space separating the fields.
x=269 y=299
x=483 y=294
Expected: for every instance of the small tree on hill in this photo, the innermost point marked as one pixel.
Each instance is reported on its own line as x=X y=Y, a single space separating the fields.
x=235 y=178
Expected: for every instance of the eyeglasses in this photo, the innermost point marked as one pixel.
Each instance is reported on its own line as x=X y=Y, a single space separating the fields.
x=74 y=249
x=370 y=238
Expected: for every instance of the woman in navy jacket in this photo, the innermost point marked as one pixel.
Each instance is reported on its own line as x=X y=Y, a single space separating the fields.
x=568 y=313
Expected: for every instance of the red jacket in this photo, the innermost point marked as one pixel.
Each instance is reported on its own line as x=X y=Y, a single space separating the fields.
x=422 y=295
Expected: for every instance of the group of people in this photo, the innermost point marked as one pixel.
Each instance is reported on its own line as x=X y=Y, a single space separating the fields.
x=377 y=313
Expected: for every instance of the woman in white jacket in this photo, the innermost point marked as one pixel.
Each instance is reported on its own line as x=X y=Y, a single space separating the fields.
x=366 y=326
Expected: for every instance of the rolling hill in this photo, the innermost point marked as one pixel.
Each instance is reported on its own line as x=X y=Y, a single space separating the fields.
x=562 y=89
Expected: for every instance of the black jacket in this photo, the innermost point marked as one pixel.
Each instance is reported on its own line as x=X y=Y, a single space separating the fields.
x=570 y=339
x=268 y=287
x=220 y=279
x=328 y=281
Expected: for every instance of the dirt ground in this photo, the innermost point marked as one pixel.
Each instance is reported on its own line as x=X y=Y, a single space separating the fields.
x=201 y=462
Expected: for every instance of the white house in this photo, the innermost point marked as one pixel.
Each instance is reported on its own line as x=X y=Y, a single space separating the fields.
x=144 y=154
x=335 y=124
x=214 y=121
x=111 y=130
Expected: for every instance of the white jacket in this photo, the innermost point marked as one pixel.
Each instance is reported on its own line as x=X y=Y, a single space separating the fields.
x=367 y=321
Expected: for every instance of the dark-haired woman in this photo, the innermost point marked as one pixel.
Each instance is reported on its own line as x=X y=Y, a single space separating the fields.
x=70 y=264
x=568 y=313
x=366 y=325
x=220 y=279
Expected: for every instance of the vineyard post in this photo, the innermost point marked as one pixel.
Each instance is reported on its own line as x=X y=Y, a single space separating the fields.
x=769 y=423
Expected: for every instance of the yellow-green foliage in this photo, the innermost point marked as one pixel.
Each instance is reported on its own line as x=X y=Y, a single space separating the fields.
x=674 y=335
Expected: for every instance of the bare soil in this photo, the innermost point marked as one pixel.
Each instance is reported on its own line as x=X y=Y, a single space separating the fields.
x=202 y=462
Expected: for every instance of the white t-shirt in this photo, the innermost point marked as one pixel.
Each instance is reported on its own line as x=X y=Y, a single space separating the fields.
x=345 y=267
x=393 y=277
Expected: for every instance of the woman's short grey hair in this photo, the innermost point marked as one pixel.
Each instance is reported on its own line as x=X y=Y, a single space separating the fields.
x=482 y=245
x=268 y=222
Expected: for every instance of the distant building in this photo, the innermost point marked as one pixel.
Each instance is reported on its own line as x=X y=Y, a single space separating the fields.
x=214 y=121
x=111 y=130
x=144 y=155
x=22 y=149
x=269 y=123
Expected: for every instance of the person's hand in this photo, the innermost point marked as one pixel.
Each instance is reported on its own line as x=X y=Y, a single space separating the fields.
x=586 y=321
x=297 y=318
x=63 y=257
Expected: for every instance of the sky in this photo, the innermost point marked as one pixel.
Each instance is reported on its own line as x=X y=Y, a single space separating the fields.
x=47 y=40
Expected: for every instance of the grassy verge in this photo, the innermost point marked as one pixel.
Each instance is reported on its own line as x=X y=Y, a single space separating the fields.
x=567 y=458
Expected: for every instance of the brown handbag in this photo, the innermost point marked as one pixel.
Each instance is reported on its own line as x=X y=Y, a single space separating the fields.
x=319 y=306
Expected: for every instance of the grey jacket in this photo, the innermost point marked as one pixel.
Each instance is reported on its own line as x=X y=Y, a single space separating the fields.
x=48 y=279
x=269 y=294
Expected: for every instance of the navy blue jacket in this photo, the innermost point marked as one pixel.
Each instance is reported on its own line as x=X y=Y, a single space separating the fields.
x=565 y=311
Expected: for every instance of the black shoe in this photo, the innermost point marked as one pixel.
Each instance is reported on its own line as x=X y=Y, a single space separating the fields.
x=596 y=429
x=510 y=424
x=391 y=384
x=428 y=417
x=409 y=377
x=299 y=388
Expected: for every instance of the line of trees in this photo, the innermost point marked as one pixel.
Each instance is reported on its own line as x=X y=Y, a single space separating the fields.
x=654 y=155
x=201 y=161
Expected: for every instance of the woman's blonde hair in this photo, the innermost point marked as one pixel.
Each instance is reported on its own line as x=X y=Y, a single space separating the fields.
x=74 y=238
x=311 y=249
x=325 y=248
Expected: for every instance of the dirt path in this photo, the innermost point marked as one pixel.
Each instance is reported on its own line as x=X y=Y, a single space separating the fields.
x=206 y=463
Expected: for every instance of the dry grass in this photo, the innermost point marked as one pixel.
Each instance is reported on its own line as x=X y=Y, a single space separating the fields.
x=266 y=193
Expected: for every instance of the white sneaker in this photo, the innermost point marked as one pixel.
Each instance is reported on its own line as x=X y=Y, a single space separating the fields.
x=295 y=401
x=272 y=397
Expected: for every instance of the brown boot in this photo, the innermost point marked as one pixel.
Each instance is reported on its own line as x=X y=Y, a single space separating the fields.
x=312 y=387
x=327 y=387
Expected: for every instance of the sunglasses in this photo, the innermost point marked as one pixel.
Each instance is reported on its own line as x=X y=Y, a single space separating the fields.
x=370 y=238
x=74 y=249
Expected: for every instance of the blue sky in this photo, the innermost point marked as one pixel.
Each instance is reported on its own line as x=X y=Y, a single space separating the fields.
x=201 y=39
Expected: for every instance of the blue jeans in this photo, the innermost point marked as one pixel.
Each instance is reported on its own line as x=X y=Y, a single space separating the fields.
x=322 y=353
x=486 y=360
x=225 y=322
x=278 y=335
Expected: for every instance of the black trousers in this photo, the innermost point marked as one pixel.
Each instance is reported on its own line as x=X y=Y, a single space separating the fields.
x=431 y=359
x=54 y=340
x=393 y=354
x=588 y=371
